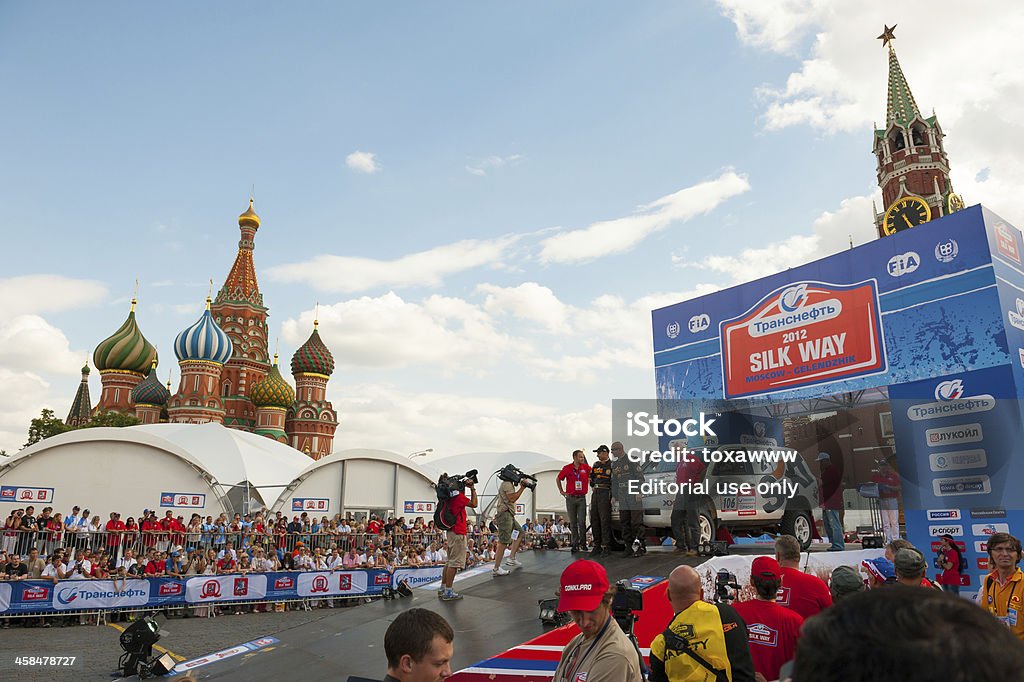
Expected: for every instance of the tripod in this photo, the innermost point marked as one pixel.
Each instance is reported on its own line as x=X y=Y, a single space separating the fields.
x=626 y=620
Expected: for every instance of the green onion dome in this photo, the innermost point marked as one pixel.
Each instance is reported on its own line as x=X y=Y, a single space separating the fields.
x=313 y=357
x=126 y=349
x=273 y=391
x=150 y=391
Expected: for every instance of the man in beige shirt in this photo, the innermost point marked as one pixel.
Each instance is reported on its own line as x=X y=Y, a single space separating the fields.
x=601 y=652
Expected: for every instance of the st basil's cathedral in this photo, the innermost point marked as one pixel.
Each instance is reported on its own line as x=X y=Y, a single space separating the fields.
x=227 y=376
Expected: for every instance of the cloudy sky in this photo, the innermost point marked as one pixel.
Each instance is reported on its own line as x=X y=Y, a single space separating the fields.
x=486 y=199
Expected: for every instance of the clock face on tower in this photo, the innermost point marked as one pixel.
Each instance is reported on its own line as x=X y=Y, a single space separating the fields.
x=954 y=203
x=906 y=213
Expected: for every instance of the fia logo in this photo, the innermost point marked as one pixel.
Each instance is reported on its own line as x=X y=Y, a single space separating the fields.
x=673 y=330
x=792 y=298
x=949 y=390
x=903 y=263
x=699 y=323
x=946 y=252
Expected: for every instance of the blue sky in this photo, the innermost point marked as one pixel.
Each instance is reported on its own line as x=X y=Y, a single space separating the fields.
x=485 y=199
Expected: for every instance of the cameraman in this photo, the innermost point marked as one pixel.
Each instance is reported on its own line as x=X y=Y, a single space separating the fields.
x=505 y=520
x=712 y=632
x=601 y=652
x=457 y=539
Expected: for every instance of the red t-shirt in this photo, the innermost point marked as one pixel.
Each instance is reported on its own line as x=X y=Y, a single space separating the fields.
x=576 y=480
x=226 y=565
x=772 y=631
x=951 y=575
x=458 y=505
x=692 y=471
x=888 y=484
x=803 y=593
x=374 y=527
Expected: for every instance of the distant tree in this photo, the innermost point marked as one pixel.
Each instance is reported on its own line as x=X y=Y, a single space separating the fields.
x=44 y=426
x=111 y=419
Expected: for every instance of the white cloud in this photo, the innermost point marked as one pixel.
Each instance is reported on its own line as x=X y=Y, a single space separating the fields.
x=622 y=234
x=364 y=162
x=480 y=167
x=832 y=232
x=47 y=294
x=28 y=342
x=528 y=301
x=453 y=423
x=349 y=274
x=25 y=394
x=389 y=332
x=840 y=85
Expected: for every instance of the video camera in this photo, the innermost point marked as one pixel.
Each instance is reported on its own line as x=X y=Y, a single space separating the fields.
x=726 y=586
x=627 y=599
x=512 y=474
x=450 y=486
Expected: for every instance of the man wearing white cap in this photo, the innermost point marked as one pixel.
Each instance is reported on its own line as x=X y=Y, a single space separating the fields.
x=601 y=651
x=830 y=490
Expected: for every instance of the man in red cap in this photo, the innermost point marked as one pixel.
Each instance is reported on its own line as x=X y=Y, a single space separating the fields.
x=601 y=651
x=772 y=630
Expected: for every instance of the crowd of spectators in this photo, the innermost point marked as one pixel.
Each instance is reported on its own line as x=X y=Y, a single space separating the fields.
x=77 y=546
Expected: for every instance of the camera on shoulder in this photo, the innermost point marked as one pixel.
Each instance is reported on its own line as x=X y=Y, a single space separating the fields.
x=514 y=475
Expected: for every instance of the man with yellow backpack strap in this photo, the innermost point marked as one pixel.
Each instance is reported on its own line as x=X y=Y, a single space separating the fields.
x=704 y=642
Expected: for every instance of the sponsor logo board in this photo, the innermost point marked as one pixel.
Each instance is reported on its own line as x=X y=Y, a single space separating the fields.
x=320 y=504
x=986 y=529
x=804 y=334
x=21 y=493
x=186 y=500
x=939 y=531
x=944 y=515
x=333 y=583
x=960 y=459
x=961 y=485
x=988 y=513
x=1006 y=242
x=954 y=435
x=419 y=507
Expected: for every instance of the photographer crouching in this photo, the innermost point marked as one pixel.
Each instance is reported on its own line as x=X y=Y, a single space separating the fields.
x=706 y=642
x=505 y=518
x=602 y=651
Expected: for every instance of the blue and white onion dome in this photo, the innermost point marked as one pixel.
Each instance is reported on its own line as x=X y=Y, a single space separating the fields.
x=203 y=341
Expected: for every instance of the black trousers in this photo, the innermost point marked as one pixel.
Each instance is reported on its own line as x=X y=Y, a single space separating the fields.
x=632 y=522
x=576 y=508
x=686 y=521
x=601 y=517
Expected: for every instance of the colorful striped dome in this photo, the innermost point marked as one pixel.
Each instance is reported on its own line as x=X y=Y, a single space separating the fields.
x=150 y=391
x=273 y=391
x=203 y=341
x=126 y=349
x=313 y=357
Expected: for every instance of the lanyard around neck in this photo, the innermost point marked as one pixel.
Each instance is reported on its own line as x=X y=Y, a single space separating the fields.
x=574 y=667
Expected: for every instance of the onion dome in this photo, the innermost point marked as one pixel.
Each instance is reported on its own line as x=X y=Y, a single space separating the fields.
x=249 y=218
x=204 y=340
x=150 y=391
x=126 y=349
x=313 y=357
x=273 y=391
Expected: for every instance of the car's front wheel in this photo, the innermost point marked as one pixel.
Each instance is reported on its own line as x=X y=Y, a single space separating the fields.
x=798 y=523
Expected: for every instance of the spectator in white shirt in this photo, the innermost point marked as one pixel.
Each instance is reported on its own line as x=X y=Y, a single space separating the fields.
x=54 y=569
x=128 y=562
x=80 y=568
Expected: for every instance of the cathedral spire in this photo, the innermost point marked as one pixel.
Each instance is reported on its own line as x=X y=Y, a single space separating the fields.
x=81 y=406
x=241 y=286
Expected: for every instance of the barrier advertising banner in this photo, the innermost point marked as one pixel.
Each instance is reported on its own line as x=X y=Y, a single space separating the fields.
x=43 y=596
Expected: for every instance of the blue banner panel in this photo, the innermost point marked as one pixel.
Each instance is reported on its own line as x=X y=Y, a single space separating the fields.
x=44 y=596
x=957 y=435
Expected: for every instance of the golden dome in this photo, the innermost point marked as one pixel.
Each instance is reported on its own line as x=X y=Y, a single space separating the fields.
x=249 y=218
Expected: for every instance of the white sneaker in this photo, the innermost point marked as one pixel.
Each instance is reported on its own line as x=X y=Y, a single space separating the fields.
x=513 y=562
x=500 y=571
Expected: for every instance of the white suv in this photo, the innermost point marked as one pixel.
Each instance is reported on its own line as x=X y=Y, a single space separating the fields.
x=792 y=515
